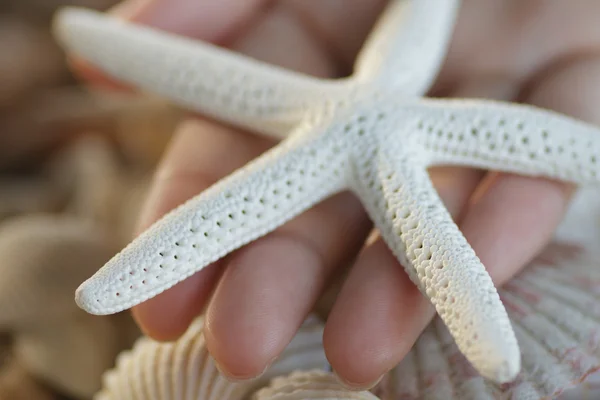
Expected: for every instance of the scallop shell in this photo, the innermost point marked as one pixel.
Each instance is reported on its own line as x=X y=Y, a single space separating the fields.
x=555 y=312
x=588 y=390
x=184 y=369
x=553 y=304
x=313 y=385
x=44 y=259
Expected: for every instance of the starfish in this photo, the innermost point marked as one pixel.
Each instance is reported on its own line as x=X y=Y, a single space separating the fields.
x=373 y=133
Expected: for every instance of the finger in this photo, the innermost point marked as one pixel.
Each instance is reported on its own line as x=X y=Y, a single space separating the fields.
x=193 y=162
x=521 y=213
x=337 y=30
x=513 y=220
x=510 y=219
x=379 y=312
x=282 y=28
x=375 y=320
x=456 y=184
x=213 y=21
x=195 y=156
x=341 y=26
x=270 y=286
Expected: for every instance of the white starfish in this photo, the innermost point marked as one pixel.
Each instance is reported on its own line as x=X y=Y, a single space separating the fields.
x=372 y=133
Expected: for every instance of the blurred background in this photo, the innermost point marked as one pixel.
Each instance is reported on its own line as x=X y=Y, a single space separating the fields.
x=74 y=166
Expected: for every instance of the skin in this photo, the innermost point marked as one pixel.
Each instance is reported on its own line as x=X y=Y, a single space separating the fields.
x=537 y=52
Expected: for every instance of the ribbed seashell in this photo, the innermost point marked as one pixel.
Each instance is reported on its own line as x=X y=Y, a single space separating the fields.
x=581 y=223
x=309 y=385
x=588 y=390
x=44 y=259
x=326 y=301
x=555 y=312
x=72 y=354
x=184 y=369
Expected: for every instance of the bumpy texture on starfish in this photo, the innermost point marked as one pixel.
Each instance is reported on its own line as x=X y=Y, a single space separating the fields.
x=372 y=133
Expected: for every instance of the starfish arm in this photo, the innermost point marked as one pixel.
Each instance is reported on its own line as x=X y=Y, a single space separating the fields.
x=248 y=204
x=205 y=78
x=408 y=45
x=402 y=202
x=507 y=137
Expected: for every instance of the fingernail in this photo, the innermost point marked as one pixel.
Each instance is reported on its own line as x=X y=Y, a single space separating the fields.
x=199 y=19
x=357 y=386
x=130 y=9
x=240 y=378
x=161 y=14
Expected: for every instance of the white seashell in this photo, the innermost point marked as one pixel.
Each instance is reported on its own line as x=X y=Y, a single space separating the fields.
x=554 y=309
x=44 y=259
x=184 y=369
x=588 y=390
x=313 y=385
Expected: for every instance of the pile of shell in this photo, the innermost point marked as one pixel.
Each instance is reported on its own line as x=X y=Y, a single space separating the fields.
x=74 y=165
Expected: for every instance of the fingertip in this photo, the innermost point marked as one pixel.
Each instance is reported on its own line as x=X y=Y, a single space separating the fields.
x=94 y=77
x=143 y=316
x=167 y=316
x=357 y=386
x=513 y=212
x=376 y=319
x=126 y=10
x=211 y=21
x=259 y=304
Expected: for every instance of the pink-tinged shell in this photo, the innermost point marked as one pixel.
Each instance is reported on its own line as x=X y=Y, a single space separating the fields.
x=184 y=370
x=554 y=309
x=309 y=385
x=588 y=390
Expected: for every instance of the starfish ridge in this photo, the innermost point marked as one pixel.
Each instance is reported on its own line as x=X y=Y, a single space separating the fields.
x=373 y=133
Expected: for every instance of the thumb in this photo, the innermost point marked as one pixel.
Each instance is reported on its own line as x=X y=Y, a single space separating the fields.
x=210 y=20
x=215 y=21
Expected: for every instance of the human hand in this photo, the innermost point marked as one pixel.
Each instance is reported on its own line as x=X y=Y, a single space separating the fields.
x=502 y=50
